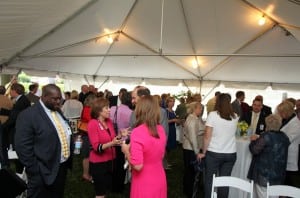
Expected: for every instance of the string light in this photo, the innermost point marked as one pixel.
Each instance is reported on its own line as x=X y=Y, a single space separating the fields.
x=180 y=85
x=143 y=82
x=262 y=21
x=109 y=39
x=194 y=63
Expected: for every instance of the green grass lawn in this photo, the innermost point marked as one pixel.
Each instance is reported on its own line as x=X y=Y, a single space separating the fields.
x=77 y=188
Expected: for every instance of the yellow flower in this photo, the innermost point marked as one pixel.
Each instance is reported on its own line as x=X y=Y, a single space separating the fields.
x=243 y=126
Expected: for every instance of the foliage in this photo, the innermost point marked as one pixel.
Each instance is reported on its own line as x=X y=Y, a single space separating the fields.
x=186 y=95
x=26 y=80
x=23 y=78
x=243 y=126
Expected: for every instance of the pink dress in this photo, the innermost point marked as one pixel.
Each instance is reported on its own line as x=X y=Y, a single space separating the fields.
x=150 y=181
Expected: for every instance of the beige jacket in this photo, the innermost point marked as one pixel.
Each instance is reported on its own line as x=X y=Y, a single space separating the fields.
x=5 y=103
x=193 y=134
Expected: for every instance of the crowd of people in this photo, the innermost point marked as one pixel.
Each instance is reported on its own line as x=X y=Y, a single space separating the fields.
x=140 y=129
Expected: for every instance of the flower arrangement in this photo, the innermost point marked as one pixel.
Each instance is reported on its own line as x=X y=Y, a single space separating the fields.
x=243 y=126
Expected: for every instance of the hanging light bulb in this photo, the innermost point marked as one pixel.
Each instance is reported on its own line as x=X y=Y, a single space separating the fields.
x=221 y=87
x=57 y=77
x=109 y=39
x=269 y=88
x=180 y=85
x=262 y=21
x=143 y=82
x=194 y=63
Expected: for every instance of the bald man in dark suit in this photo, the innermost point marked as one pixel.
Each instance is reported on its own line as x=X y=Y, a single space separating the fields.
x=44 y=146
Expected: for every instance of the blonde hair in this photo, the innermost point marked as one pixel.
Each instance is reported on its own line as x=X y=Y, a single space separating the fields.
x=273 y=122
x=196 y=98
x=147 y=112
x=192 y=106
x=286 y=107
x=74 y=95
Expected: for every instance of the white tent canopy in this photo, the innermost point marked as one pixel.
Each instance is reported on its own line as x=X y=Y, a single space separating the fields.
x=154 y=40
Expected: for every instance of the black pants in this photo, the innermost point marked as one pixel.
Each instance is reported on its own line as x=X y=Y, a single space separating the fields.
x=292 y=178
x=220 y=164
x=37 y=188
x=189 y=173
x=3 y=147
x=118 y=171
x=7 y=138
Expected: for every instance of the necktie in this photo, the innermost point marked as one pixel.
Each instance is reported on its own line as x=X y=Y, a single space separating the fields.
x=255 y=119
x=61 y=134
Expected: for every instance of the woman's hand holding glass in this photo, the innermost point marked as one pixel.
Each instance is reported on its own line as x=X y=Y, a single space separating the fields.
x=124 y=134
x=117 y=141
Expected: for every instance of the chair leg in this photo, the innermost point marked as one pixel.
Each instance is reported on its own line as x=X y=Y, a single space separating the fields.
x=215 y=195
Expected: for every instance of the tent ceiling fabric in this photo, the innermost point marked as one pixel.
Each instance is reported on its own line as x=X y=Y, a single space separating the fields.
x=24 y=21
x=69 y=37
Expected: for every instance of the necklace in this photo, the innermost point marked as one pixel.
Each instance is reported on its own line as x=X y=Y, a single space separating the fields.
x=102 y=124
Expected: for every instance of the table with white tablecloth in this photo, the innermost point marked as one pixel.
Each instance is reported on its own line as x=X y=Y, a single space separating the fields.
x=241 y=166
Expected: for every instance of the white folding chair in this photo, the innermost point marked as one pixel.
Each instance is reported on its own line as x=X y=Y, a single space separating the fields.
x=228 y=181
x=13 y=155
x=283 y=190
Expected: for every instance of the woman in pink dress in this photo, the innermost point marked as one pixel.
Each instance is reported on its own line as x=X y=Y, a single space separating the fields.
x=145 y=152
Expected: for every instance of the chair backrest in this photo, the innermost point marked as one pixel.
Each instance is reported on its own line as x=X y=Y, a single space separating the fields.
x=283 y=190
x=228 y=181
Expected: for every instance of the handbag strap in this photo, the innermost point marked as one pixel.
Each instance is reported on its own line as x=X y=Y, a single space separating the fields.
x=115 y=116
x=188 y=139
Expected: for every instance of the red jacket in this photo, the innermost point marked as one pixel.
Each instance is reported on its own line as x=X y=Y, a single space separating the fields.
x=99 y=135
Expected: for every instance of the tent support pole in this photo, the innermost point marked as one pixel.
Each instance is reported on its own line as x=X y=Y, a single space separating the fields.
x=119 y=32
x=187 y=27
x=201 y=83
x=186 y=85
x=51 y=51
x=212 y=89
x=157 y=54
x=161 y=26
x=86 y=79
x=238 y=50
x=282 y=25
x=171 y=55
x=103 y=82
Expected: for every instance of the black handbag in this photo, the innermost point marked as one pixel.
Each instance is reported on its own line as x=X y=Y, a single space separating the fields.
x=11 y=184
x=198 y=165
x=115 y=124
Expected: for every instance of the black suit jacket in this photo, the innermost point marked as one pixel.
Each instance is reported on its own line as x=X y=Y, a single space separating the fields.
x=113 y=101
x=267 y=110
x=38 y=145
x=261 y=124
x=32 y=98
